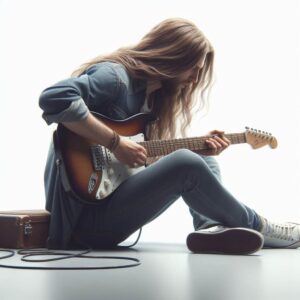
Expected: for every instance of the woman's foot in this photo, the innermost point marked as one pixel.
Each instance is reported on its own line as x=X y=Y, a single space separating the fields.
x=280 y=235
x=223 y=240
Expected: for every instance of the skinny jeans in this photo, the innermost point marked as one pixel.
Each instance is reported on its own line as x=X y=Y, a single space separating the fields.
x=140 y=199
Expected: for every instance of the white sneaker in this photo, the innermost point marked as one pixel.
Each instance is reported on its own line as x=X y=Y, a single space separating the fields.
x=280 y=235
x=223 y=240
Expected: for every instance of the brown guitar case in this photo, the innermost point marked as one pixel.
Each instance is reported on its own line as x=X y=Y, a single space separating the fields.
x=24 y=229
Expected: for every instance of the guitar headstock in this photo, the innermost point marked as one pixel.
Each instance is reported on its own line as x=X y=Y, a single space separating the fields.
x=257 y=138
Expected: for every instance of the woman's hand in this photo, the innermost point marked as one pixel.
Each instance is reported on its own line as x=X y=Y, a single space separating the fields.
x=216 y=144
x=130 y=153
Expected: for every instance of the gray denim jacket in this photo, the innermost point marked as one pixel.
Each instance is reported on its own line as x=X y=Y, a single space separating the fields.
x=105 y=88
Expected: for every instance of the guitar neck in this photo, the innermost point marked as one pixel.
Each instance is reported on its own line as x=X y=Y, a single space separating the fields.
x=164 y=147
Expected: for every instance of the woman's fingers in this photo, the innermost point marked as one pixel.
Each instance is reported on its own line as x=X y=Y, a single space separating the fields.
x=142 y=149
x=141 y=157
x=222 y=141
x=131 y=153
x=217 y=143
x=212 y=145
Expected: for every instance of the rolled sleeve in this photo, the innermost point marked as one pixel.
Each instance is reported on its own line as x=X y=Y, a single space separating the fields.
x=70 y=100
x=75 y=112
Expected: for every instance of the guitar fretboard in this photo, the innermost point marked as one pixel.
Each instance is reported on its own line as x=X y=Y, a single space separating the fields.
x=164 y=147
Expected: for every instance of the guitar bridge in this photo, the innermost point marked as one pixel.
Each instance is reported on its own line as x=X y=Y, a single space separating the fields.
x=98 y=157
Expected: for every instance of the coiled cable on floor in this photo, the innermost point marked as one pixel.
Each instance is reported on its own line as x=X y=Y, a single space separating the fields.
x=67 y=255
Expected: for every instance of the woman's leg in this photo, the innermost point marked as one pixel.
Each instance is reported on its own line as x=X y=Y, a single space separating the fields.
x=200 y=221
x=144 y=196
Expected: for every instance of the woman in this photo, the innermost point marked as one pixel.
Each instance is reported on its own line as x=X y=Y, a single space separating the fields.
x=165 y=74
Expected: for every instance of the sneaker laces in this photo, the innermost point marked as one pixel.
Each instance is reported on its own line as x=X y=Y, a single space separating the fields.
x=286 y=231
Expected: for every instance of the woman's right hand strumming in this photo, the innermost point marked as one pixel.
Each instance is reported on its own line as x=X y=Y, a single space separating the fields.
x=130 y=153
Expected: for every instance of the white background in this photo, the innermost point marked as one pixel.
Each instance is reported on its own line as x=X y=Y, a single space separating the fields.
x=257 y=85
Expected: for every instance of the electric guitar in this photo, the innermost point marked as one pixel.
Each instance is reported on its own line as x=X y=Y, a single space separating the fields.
x=94 y=173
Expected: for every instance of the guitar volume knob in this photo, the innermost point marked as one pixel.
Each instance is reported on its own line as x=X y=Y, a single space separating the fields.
x=102 y=194
x=110 y=172
x=106 y=183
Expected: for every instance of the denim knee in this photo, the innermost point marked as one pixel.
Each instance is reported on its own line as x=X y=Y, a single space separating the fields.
x=186 y=160
x=187 y=167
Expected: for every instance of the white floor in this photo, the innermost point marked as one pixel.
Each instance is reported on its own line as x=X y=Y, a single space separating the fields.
x=167 y=272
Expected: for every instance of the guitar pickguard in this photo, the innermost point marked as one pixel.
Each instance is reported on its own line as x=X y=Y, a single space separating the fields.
x=114 y=172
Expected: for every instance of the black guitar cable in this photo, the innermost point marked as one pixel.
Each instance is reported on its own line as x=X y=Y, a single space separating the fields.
x=66 y=255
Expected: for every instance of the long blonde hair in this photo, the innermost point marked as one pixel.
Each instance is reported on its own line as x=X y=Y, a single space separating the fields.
x=172 y=47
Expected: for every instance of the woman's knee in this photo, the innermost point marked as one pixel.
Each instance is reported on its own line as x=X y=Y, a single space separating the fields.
x=175 y=169
x=185 y=157
x=185 y=161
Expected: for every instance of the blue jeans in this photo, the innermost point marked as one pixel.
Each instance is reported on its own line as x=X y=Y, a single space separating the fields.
x=147 y=194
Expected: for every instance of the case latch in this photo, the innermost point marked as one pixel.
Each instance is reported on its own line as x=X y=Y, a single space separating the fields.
x=27 y=229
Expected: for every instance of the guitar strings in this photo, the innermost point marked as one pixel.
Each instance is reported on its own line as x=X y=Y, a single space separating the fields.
x=159 y=147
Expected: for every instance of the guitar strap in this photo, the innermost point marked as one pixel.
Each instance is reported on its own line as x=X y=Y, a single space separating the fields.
x=60 y=165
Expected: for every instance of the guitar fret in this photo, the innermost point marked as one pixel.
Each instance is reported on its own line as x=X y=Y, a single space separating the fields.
x=164 y=147
x=168 y=147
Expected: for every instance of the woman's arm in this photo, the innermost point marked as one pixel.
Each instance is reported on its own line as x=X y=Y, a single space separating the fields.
x=68 y=102
x=127 y=151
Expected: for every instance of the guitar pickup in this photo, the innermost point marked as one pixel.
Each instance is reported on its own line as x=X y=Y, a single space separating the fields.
x=98 y=157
